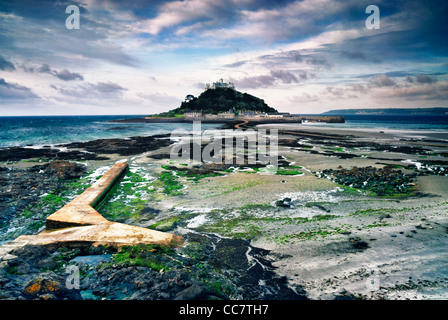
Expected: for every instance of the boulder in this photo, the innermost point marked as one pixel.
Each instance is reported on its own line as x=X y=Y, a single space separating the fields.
x=62 y=169
x=48 y=286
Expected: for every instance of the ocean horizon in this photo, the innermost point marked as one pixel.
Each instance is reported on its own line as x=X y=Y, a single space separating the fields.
x=18 y=131
x=50 y=130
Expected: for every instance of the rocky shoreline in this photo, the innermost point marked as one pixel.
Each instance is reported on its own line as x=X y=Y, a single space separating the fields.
x=324 y=204
x=21 y=188
x=32 y=191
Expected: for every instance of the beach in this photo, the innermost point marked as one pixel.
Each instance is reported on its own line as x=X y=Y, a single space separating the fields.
x=314 y=230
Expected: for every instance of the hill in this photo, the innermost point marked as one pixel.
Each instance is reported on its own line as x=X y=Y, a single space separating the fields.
x=214 y=101
x=390 y=111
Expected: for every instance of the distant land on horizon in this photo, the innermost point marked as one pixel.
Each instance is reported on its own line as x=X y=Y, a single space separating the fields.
x=390 y=111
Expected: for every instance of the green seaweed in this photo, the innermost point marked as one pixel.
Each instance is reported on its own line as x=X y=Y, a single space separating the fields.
x=166 y=224
x=285 y=172
x=171 y=185
x=151 y=256
x=124 y=200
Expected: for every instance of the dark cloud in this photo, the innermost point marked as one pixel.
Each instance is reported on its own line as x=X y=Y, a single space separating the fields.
x=14 y=91
x=318 y=61
x=380 y=81
x=64 y=75
x=359 y=55
x=6 y=65
x=41 y=9
x=424 y=78
x=421 y=79
x=235 y=64
x=398 y=74
x=426 y=91
x=305 y=97
x=271 y=79
x=284 y=76
x=67 y=75
x=91 y=90
x=334 y=91
x=262 y=81
x=45 y=68
x=37 y=29
x=107 y=87
x=271 y=60
x=393 y=74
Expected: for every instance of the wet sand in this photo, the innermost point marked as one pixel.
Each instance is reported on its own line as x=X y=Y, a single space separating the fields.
x=393 y=249
x=390 y=248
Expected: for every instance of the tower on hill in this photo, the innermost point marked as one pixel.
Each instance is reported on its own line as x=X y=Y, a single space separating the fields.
x=220 y=84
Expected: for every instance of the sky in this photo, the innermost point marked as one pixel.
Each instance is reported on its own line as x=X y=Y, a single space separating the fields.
x=144 y=57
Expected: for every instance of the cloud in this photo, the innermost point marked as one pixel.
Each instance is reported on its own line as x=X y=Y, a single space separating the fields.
x=101 y=26
x=318 y=61
x=107 y=87
x=106 y=90
x=253 y=82
x=421 y=79
x=64 y=75
x=380 y=81
x=271 y=79
x=14 y=91
x=235 y=64
x=45 y=68
x=284 y=76
x=190 y=16
x=249 y=20
x=305 y=97
x=426 y=91
x=161 y=99
x=424 y=78
x=359 y=55
x=67 y=75
x=334 y=91
x=420 y=87
x=6 y=65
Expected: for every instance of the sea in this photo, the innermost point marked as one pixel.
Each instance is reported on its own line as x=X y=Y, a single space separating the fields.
x=406 y=126
x=50 y=130
x=394 y=122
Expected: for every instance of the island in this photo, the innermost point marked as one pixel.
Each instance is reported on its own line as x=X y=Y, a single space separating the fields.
x=221 y=102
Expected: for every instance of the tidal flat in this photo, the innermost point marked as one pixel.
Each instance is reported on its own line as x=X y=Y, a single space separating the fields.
x=347 y=215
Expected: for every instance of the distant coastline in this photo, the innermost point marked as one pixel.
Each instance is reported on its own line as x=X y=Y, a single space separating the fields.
x=257 y=120
x=389 y=111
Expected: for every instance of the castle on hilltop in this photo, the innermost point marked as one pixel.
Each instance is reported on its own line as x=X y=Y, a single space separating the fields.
x=220 y=84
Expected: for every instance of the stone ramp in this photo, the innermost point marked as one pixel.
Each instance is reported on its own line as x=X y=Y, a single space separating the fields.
x=78 y=223
x=107 y=233
x=80 y=211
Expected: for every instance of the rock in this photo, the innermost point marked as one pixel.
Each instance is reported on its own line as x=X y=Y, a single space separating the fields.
x=19 y=188
x=49 y=286
x=9 y=256
x=124 y=147
x=285 y=203
x=191 y=293
x=47 y=263
x=62 y=169
x=26 y=259
x=31 y=253
x=20 y=153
